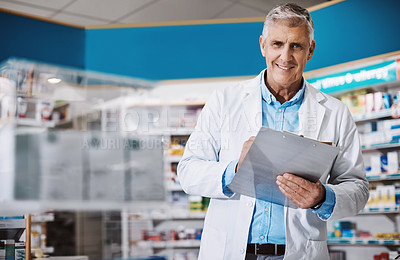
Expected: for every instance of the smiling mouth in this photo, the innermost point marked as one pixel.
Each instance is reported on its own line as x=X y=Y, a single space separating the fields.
x=285 y=67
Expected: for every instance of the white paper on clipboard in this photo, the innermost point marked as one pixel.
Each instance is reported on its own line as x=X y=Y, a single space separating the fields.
x=275 y=152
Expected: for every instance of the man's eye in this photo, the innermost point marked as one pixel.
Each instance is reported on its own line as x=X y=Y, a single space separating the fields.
x=277 y=43
x=296 y=46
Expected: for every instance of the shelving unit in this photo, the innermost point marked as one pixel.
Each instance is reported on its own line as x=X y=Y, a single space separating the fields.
x=39 y=233
x=63 y=149
x=175 y=122
x=384 y=177
x=373 y=105
x=170 y=244
x=385 y=210
x=358 y=118
x=174 y=215
x=363 y=242
x=17 y=229
x=172 y=158
x=389 y=145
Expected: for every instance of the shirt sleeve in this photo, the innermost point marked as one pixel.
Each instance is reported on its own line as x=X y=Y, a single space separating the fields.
x=326 y=209
x=227 y=177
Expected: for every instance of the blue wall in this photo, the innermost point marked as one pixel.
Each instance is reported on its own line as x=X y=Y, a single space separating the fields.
x=350 y=30
x=355 y=29
x=190 y=51
x=38 y=40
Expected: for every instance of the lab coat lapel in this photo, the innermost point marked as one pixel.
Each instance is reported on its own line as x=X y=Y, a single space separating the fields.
x=311 y=113
x=252 y=105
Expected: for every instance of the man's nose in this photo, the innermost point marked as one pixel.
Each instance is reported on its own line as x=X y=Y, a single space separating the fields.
x=286 y=53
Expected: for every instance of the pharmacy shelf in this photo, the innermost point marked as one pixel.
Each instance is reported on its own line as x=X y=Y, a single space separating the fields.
x=63 y=123
x=170 y=186
x=168 y=131
x=176 y=215
x=383 y=177
x=35 y=123
x=178 y=131
x=48 y=250
x=44 y=250
x=392 y=144
x=41 y=123
x=172 y=158
x=169 y=104
x=363 y=242
x=386 y=210
x=60 y=105
x=42 y=218
x=12 y=223
x=372 y=116
x=190 y=243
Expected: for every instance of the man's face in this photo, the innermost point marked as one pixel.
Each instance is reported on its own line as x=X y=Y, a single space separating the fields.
x=286 y=51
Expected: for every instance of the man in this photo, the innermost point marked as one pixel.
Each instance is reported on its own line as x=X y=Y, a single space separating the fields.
x=241 y=227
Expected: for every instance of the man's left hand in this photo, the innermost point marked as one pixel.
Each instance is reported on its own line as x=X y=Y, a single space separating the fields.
x=303 y=193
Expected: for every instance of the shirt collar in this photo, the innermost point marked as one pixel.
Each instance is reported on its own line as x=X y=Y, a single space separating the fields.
x=269 y=98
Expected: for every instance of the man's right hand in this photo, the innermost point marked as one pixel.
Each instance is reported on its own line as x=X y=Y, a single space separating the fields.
x=245 y=149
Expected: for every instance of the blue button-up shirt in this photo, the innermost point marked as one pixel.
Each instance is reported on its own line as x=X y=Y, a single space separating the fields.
x=267 y=225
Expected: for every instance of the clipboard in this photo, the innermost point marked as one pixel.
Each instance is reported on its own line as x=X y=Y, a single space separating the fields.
x=275 y=152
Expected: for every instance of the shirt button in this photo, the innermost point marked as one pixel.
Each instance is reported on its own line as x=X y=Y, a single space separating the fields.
x=266 y=209
x=249 y=204
x=262 y=237
x=279 y=110
x=242 y=251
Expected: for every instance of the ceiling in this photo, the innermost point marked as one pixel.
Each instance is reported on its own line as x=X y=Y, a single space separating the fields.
x=105 y=12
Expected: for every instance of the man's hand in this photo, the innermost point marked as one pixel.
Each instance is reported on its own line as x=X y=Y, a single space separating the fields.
x=303 y=193
x=245 y=149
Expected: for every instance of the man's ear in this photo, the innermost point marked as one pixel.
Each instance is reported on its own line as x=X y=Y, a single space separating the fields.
x=262 y=45
x=312 y=48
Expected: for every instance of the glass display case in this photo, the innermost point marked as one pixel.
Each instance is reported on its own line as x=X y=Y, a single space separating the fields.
x=64 y=145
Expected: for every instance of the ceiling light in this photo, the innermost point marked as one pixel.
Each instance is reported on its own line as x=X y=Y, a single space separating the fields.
x=54 y=80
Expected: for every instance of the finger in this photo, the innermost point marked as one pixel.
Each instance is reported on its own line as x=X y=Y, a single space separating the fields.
x=247 y=144
x=293 y=199
x=309 y=196
x=293 y=191
x=250 y=141
x=298 y=201
x=302 y=185
x=246 y=147
x=288 y=183
x=291 y=186
x=296 y=179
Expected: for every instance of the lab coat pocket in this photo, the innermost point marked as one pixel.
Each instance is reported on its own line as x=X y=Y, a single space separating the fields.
x=212 y=244
x=317 y=249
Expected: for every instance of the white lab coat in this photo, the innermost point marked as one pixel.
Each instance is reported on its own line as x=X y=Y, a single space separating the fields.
x=228 y=119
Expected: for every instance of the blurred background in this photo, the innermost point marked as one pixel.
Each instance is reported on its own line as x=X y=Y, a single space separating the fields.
x=98 y=99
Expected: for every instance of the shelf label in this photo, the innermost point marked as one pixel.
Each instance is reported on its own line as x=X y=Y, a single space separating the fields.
x=366 y=76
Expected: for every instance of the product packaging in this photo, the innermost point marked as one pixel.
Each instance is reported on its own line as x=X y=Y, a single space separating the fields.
x=195 y=203
x=369 y=103
x=21 y=107
x=387 y=102
x=46 y=110
x=375 y=160
x=2 y=250
x=19 y=250
x=371 y=203
x=392 y=162
x=10 y=249
x=378 y=101
x=343 y=228
x=397 y=192
x=384 y=163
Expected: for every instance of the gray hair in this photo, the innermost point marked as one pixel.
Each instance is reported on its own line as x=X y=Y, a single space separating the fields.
x=291 y=13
